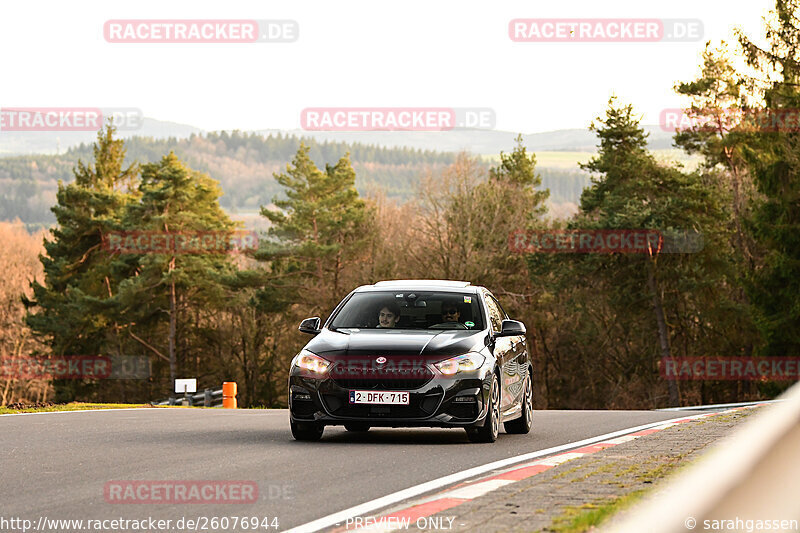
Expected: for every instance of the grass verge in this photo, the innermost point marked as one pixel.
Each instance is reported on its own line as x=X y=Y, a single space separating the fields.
x=587 y=516
x=74 y=406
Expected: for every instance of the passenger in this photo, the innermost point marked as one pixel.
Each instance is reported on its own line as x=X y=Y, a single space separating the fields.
x=388 y=315
x=450 y=313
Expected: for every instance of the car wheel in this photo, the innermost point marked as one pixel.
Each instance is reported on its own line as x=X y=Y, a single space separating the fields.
x=356 y=426
x=308 y=431
x=491 y=426
x=522 y=424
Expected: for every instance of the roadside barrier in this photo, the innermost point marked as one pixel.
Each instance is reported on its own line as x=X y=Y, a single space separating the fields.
x=207 y=398
x=749 y=481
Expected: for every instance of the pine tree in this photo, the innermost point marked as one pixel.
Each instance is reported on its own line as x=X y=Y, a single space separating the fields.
x=719 y=99
x=772 y=159
x=658 y=295
x=76 y=272
x=322 y=221
x=176 y=200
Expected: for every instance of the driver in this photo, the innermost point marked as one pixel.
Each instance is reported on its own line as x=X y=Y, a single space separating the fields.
x=389 y=315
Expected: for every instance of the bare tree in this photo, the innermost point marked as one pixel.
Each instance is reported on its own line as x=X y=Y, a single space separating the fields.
x=19 y=264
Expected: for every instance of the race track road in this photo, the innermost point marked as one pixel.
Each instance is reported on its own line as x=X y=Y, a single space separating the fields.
x=57 y=465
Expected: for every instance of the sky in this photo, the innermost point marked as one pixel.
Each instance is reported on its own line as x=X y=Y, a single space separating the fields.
x=431 y=53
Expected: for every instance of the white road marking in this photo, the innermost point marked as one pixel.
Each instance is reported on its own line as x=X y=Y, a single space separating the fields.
x=620 y=440
x=469 y=492
x=558 y=459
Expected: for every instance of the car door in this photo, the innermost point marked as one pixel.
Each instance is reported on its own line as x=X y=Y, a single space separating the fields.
x=513 y=367
x=503 y=351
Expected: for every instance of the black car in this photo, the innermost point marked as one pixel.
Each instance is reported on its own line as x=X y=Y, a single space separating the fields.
x=413 y=353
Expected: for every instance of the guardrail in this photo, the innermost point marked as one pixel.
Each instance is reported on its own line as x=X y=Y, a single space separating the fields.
x=717 y=406
x=753 y=475
x=207 y=398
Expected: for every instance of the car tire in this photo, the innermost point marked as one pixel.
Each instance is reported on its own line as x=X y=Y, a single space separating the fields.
x=306 y=431
x=491 y=426
x=356 y=427
x=522 y=425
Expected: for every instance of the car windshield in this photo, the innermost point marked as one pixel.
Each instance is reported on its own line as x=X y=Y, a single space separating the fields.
x=410 y=310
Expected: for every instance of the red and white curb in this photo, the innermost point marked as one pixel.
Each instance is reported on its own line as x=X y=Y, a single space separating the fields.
x=413 y=515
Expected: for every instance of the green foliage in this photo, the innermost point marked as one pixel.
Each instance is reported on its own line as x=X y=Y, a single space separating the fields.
x=322 y=222
x=518 y=170
x=173 y=199
x=637 y=307
x=70 y=313
x=74 y=264
x=772 y=160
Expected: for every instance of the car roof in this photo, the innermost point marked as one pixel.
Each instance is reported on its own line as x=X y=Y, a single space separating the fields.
x=421 y=284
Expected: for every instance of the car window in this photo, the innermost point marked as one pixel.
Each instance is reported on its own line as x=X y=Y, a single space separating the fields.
x=410 y=310
x=496 y=314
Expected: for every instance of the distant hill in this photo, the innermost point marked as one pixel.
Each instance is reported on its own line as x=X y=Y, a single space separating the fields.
x=45 y=142
x=479 y=141
x=244 y=163
x=476 y=141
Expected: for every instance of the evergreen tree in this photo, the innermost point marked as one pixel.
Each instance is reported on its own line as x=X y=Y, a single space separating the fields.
x=179 y=201
x=773 y=162
x=637 y=305
x=76 y=274
x=322 y=222
x=719 y=99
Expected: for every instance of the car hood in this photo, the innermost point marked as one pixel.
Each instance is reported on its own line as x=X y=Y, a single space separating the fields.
x=426 y=343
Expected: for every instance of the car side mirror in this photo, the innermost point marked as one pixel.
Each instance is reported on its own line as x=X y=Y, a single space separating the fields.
x=310 y=325
x=511 y=328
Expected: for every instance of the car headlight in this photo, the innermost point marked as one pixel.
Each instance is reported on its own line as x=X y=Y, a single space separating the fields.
x=311 y=362
x=461 y=363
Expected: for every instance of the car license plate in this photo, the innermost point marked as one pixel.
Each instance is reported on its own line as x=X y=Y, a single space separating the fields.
x=379 y=397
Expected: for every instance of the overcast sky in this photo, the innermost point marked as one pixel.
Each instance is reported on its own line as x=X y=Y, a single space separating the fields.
x=430 y=53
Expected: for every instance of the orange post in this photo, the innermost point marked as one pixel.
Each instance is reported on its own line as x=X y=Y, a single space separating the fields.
x=229 y=395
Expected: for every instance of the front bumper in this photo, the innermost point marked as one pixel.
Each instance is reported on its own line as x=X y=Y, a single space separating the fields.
x=441 y=402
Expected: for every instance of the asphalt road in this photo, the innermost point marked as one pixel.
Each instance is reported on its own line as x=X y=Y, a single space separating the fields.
x=57 y=465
